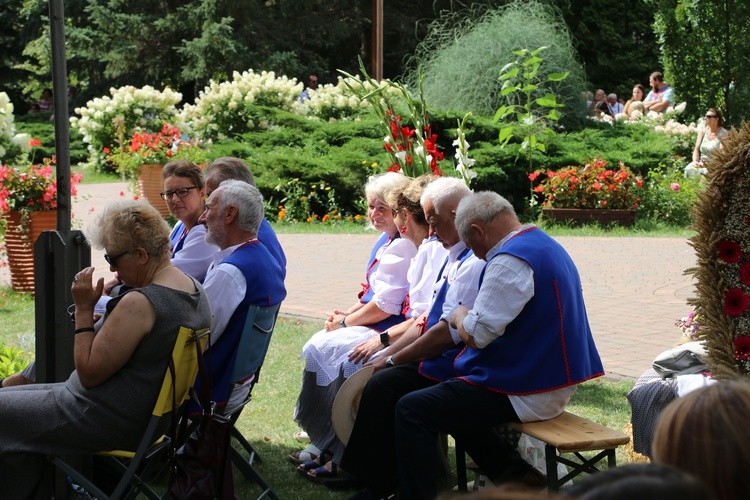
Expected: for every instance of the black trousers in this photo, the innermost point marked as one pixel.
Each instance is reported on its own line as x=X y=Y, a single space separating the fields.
x=371 y=451
x=401 y=413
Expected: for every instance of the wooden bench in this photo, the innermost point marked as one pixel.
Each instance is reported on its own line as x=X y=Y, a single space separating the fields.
x=566 y=433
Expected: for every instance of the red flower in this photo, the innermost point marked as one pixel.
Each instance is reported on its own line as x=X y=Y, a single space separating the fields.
x=735 y=302
x=106 y=151
x=533 y=176
x=742 y=348
x=395 y=167
x=729 y=251
x=35 y=143
x=745 y=273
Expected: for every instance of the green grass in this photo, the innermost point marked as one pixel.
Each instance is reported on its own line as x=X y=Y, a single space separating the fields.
x=267 y=420
x=317 y=227
x=93 y=176
x=641 y=229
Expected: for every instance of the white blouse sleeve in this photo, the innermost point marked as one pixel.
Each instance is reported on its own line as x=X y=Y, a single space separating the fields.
x=389 y=281
x=423 y=274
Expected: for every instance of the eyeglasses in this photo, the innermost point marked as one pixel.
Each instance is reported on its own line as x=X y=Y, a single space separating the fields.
x=712 y=116
x=181 y=193
x=112 y=259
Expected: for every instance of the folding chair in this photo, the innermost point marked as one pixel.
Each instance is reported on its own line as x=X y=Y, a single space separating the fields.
x=173 y=392
x=251 y=351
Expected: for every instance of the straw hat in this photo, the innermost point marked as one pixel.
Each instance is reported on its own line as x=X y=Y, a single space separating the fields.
x=346 y=403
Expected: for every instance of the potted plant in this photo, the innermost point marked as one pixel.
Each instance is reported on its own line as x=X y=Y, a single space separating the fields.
x=28 y=205
x=142 y=159
x=586 y=193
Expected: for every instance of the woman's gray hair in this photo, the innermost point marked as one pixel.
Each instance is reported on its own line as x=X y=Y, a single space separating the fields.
x=247 y=199
x=379 y=185
x=444 y=190
x=483 y=206
x=124 y=225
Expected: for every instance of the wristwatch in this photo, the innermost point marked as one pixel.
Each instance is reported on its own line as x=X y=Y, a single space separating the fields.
x=389 y=361
x=342 y=323
x=385 y=339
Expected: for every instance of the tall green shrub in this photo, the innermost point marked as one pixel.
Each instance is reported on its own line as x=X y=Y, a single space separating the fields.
x=461 y=56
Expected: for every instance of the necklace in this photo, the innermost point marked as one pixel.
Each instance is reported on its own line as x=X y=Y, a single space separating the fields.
x=160 y=270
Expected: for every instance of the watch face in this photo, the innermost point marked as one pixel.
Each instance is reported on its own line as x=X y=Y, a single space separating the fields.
x=384 y=338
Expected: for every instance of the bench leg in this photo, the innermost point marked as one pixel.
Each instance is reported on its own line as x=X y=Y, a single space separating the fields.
x=550 y=457
x=611 y=459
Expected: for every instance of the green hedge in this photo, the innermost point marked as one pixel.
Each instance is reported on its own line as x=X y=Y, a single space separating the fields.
x=343 y=154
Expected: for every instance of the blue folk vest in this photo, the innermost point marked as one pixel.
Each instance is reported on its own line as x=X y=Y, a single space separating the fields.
x=367 y=293
x=265 y=287
x=549 y=345
x=440 y=368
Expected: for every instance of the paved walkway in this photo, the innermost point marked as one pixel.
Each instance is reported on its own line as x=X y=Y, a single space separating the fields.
x=634 y=287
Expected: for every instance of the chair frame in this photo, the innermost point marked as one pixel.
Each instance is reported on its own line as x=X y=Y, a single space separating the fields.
x=172 y=397
x=256 y=337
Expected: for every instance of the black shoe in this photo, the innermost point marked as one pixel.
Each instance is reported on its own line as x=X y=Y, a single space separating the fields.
x=368 y=494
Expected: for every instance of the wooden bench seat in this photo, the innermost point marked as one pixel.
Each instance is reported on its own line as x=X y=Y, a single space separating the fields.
x=567 y=433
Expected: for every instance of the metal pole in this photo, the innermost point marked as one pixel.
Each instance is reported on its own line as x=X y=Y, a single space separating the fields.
x=377 y=40
x=62 y=124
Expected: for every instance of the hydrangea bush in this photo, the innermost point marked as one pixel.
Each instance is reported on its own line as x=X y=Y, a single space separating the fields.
x=13 y=147
x=224 y=109
x=334 y=102
x=109 y=122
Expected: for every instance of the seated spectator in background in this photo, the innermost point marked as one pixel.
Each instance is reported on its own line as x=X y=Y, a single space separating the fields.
x=660 y=96
x=120 y=359
x=706 y=433
x=708 y=140
x=636 y=101
x=185 y=194
x=613 y=106
x=312 y=85
x=598 y=106
x=45 y=103
x=228 y=167
x=639 y=481
x=524 y=355
x=244 y=274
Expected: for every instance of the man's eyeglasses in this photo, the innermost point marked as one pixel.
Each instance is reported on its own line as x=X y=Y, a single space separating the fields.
x=181 y=193
x=711 y=116
x=112 y=259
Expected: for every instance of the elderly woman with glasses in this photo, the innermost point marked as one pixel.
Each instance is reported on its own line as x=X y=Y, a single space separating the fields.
x=120 y=358
x=185 y=194
x=708 y=140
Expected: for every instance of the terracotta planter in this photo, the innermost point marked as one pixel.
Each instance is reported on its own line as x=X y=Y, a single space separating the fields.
x=19 y=244
x=578 y=216
x=150 y=185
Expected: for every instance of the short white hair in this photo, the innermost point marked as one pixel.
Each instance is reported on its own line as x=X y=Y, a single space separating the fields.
x=483 y=206
x=246 y=198
x=444 y=190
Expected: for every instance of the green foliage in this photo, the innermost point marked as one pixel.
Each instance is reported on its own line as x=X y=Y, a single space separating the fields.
x=704 y=46
x=522 y=83
x=12 y=360
x=670 y=196
x=40 y=127
x=461 y=56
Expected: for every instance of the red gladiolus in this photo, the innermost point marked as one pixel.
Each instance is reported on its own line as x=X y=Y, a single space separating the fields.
x=35 y=143
x=729 y=251
x=735 y=302
x=742 y=348
x=533 y=176
x=395 y=167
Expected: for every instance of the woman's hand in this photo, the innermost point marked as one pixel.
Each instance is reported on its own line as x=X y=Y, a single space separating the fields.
x=85 y=295
x=364 y=351
x=334 y=320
